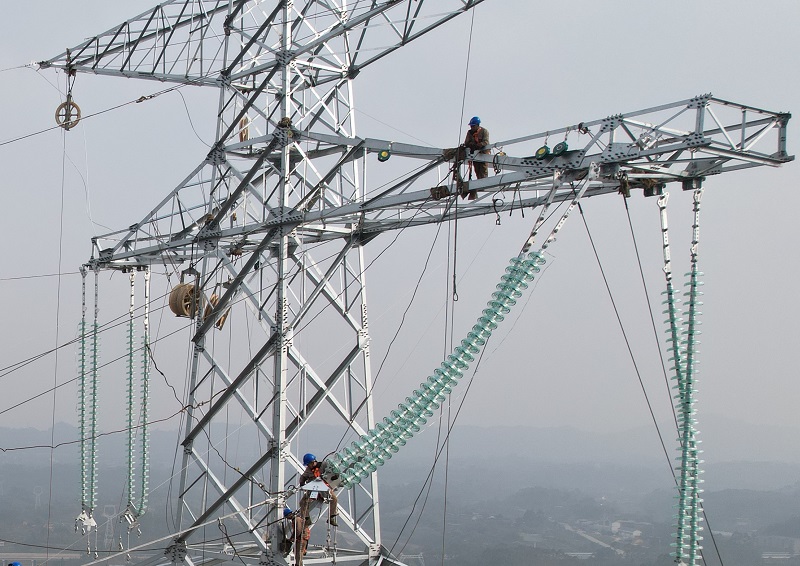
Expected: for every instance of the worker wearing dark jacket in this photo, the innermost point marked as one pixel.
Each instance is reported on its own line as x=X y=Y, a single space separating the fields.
x=478 y=140
x=313 y=471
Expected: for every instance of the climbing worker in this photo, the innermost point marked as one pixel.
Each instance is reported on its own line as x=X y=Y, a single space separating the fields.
x=294 y=530
x=314 y=470
x=286 y=532
x=478 y=140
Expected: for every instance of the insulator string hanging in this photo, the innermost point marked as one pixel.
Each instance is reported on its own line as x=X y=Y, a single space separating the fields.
x=690 y=450
x=130 y=395
x=683 y=344
x=145 y=412
x=137 y=499
x=354 y=463
x=82 y=395
x=87 y=412
x=95 y=353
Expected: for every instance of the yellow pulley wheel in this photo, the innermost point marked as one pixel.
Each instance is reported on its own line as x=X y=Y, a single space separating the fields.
x=542 y=152
x=384 y=155
x=68 y=114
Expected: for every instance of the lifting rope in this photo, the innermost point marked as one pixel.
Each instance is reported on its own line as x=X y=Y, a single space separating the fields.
x=684 y=352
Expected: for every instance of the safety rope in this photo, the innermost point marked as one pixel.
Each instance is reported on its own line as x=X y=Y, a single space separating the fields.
x=684 y=353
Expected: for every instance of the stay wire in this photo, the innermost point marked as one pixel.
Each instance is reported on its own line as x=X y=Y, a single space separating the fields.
x=411 y=301
x=358 y=409
x=457 y=173
x=27 y=66
x=23 y=277
x=98 y=113
x=58 y=319
x=96 y=436
x=624 y=333
x=650 y=310
x=64 y=383
x=106 y=326
x=452 y=300
x=430 y=483
x=429 y=478
x=638 y=374
x=399 y=328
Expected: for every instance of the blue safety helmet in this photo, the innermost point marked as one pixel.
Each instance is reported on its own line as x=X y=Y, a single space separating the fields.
x=308 y=458
x=287 y=512
x=475 y=121
x=14 y=564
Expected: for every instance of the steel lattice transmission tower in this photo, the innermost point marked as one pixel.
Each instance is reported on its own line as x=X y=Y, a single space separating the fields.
x=239 y=226
x=269 y=228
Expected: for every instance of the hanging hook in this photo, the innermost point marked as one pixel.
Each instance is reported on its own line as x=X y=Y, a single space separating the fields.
x=494 y=206
x=68 y=114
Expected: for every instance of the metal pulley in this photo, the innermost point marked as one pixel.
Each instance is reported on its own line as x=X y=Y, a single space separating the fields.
x=213 y=300
x=542 y=152
x=68 y=114
x=244 y=129
x=183 y=300
x=385 y=154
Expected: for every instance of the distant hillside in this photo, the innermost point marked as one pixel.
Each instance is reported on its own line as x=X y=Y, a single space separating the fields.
x=513 y=488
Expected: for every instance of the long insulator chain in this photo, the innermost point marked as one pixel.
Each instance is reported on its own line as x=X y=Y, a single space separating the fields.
x=95 y=353
x=82 y=394
x=87 y=412
x=130 y=395
x=145 y=413
x=683 y=347
x=676 y=347
x=690 y=451
x=364 y=456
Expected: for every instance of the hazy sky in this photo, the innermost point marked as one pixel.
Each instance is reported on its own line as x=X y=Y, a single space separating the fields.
x=534 y=66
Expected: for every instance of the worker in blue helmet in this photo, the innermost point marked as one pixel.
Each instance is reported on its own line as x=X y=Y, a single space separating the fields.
x=314 y=470
x=14 y=564
x=478 y=140
x=294 y=530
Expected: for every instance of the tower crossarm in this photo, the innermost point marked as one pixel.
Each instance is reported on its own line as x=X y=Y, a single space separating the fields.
x=684 y=141
x=184 y=41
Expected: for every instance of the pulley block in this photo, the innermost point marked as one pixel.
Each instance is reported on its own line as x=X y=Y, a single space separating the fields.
x=244 y=129
x=183 y=300
x=542 y=152
x=213 y=300
x=68 y=114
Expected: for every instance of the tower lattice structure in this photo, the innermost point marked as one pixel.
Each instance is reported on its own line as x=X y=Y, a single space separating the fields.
x=273 y=221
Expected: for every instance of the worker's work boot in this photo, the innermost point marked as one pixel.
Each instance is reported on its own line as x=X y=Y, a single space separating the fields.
x=332 y=521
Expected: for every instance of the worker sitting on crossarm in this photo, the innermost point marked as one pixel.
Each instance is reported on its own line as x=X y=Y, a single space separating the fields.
x=478 y=140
